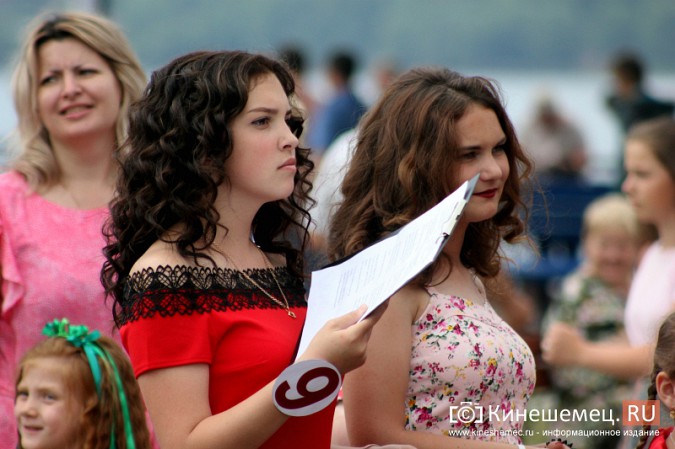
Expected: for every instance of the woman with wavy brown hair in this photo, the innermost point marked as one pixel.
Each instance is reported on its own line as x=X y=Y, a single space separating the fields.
x=439 y=343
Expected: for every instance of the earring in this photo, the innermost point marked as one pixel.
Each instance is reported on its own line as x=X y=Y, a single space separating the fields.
x=672 y=414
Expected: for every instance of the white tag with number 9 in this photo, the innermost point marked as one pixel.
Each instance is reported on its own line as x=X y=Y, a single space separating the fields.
x=306 y=387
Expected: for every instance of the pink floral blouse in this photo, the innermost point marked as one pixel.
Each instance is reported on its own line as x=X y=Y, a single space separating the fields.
x=471 y=375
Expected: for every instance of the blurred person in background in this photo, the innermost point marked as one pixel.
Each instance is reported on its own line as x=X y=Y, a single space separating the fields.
x=555 y=144
x=381 y=73
x=650 y=186
x=629 y=101
x=592 y=299
x=330 y=171
x=74 y=80
x=343 y=109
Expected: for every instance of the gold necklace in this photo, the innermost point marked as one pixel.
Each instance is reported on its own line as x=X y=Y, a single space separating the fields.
x=268 y=264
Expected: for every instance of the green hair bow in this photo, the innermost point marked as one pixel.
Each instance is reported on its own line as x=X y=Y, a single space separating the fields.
x=80 y=337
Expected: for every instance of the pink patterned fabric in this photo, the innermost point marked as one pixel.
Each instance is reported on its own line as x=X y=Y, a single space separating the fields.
x=51 y=257
x=471 y=375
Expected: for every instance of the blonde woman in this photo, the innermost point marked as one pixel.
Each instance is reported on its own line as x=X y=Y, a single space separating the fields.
x=74 y=79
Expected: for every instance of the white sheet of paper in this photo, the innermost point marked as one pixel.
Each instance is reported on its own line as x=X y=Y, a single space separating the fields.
x=373 y=275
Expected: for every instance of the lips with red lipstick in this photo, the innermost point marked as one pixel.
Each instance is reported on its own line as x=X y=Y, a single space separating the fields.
x=489 y=193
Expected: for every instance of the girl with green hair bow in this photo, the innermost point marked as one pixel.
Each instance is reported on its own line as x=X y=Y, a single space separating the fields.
x=76 y=389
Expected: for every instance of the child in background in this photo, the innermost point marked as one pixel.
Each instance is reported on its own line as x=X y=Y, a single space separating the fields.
x=77 y=390
x=662 y=384
x=593 y=299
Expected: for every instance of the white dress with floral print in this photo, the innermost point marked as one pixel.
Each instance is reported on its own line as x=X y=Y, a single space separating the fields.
x=471 y=375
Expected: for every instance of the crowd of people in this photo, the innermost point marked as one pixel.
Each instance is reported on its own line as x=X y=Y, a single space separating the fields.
x=156 y=239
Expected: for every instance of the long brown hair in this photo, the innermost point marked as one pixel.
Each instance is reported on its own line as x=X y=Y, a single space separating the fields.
x=404 y=164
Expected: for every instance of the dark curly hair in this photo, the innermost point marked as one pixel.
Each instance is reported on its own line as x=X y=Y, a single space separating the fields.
x=404 y=161
x=174 y=161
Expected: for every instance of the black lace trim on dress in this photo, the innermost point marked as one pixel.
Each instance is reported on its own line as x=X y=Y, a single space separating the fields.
x=185 y=290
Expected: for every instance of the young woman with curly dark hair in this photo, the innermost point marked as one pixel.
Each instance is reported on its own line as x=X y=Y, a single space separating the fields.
x=205 y=279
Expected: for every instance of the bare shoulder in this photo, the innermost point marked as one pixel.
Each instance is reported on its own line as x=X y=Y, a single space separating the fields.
x=159 y=254
x=411 y=300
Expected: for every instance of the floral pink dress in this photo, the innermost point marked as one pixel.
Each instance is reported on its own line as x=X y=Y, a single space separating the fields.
x=471 y=375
